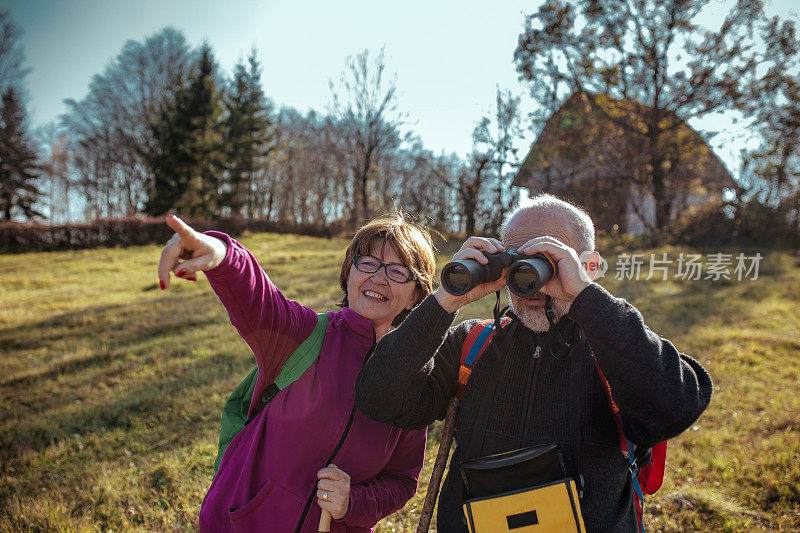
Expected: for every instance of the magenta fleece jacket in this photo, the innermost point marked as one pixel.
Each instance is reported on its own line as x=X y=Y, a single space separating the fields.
x=268 y=472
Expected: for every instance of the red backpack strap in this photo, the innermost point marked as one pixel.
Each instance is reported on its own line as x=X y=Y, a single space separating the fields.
x=651 y=475
x=478 y=338
x=623 y=442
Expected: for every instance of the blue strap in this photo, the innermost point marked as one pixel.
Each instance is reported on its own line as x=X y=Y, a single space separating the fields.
x=479 y=342
x=635 y=478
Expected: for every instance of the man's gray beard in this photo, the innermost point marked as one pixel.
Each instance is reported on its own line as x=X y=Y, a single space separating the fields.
x=535 y=319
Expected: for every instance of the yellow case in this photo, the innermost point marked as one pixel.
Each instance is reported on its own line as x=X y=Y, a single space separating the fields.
x=551 y=508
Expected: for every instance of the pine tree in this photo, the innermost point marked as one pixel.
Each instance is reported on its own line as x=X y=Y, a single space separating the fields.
x=187 y=161
x=248 y=131
x=19 y=168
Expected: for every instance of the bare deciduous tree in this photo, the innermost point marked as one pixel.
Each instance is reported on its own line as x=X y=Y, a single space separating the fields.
x=647 y=65
x=110 y=129
x=55 y=175
x=365 y=108
x=775 y=105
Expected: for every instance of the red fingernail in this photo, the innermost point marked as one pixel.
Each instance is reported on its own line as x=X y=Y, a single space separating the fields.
x=181 y=273
x=163 y=285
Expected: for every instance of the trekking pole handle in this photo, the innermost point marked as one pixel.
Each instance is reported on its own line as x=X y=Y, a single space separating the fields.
x=448 y=429
x=324 y=522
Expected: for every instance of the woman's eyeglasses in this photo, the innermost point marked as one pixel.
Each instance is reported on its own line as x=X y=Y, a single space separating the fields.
x=394 y=271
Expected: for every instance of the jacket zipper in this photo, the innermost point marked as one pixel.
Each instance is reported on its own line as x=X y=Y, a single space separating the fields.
x=536 y=355
x=339 y=445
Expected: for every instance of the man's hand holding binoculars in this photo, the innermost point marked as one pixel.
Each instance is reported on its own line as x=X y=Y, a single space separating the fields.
x=472 y=249
x=483 y=266
x=572 y=278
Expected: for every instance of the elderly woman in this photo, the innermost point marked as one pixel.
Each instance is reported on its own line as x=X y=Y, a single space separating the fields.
x=310 y=445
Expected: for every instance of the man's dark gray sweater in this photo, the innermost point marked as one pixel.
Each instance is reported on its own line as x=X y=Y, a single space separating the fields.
x=413 y=373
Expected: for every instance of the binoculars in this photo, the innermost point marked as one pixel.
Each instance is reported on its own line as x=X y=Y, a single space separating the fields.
x=525 y=276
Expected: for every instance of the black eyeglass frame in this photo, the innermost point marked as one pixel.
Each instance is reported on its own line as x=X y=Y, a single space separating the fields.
x=411 y=274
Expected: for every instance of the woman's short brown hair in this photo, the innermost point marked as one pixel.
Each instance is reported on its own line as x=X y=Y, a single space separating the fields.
x=411 y=242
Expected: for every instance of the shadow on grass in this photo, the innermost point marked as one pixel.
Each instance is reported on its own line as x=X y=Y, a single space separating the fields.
x=113 y=326
x=185 y=400
x=144 y=366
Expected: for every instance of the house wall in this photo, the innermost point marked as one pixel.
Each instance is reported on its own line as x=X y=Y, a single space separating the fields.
x=645 y=208
x=641 y=207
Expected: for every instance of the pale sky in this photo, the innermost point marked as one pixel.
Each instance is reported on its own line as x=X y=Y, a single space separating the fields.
x=448 y=56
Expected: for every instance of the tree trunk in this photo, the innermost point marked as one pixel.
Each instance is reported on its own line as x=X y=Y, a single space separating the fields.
x=659 y=189
x=469 y=215
x=354 y=205
x=660 y=197
x=470 y=225
x=797 y=211
x=364 y=207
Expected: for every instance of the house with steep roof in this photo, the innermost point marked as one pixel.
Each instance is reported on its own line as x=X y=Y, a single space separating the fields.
x=592 y=151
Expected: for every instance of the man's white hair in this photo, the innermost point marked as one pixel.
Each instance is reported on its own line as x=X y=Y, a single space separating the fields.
x=577 y=220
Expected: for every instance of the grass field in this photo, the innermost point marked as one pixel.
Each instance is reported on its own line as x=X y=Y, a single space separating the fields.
x=111 y=390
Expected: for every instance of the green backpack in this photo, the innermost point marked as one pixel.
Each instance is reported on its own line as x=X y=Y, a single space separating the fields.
x=234 y=414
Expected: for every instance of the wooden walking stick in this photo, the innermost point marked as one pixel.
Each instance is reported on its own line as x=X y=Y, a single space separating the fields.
x=448 y=429
x=324 y=522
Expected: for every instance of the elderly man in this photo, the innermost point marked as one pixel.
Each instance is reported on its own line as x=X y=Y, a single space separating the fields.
x=549 y=391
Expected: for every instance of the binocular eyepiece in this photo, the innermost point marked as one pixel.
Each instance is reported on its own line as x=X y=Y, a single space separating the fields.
x=525 y=276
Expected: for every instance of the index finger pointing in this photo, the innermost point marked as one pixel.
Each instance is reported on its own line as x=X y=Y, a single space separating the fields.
x=181 y=228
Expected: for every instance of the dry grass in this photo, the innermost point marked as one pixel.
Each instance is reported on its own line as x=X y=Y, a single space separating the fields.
x=110 y=390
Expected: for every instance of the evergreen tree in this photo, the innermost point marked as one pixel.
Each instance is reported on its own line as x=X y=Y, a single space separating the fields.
x=12 y=55
x=19 y=169
x=186 y=161
x=110 y=129
x=248 y=135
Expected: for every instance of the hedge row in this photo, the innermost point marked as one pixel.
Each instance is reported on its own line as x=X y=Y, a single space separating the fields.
x=33 y=237
x=715 y=224
x=743 y=223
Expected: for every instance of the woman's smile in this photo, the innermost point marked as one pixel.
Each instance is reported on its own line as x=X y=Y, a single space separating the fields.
x=374 y=295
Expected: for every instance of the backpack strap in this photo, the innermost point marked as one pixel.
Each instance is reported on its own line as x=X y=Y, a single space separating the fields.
x=236 y=409
x=478 y=338
x=623 y=442
x=650 y=462
x=647 y=478
x=468 y=358
x=296 y=365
